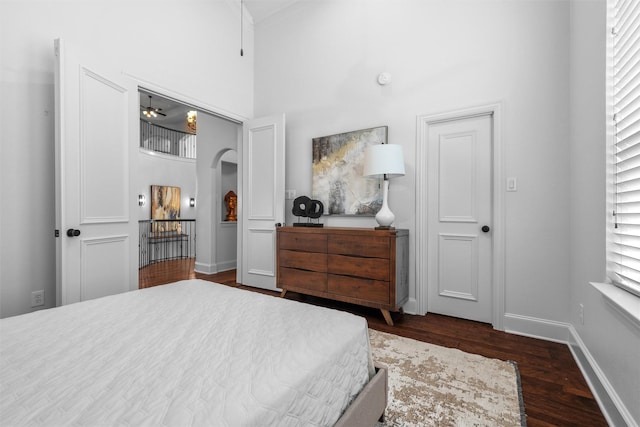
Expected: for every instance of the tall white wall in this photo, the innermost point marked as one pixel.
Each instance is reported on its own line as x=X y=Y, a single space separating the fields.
x=318 y=62
x=607 y=336
x=190 y=48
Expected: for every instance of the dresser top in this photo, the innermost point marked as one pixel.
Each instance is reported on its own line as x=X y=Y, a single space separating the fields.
x=344 y=230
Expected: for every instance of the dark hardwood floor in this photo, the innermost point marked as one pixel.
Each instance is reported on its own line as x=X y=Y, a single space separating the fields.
x=555 y=392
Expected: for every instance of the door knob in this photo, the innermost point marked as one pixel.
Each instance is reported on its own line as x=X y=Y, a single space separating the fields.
x=73 y=233
x=485 y=229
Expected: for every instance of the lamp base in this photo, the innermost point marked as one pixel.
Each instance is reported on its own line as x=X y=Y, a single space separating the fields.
x=384 y=227
x=385 y=217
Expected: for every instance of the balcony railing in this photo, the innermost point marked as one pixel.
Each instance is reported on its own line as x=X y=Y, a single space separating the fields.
x=167 y=141
x=162 y=240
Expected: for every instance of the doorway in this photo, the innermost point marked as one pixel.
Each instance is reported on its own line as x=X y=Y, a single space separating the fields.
x=226 y=220
x=459 y=222
x=261 y=183
x=201 y=176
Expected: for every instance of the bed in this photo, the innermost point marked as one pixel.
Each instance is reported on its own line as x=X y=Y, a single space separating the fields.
x=185 y=354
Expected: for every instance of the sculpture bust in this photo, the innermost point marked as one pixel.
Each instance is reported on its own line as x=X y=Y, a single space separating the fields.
x=231 y=201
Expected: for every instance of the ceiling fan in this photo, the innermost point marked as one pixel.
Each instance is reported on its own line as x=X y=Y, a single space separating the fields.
x=151 y=112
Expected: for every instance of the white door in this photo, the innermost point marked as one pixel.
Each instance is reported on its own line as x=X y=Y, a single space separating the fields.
x=96 y=250
x=261 y=201
x=459 y=218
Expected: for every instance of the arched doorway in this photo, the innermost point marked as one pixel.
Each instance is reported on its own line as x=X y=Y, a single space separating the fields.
x=226 y=236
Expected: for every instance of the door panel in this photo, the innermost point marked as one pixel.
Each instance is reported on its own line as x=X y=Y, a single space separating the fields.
x=96 y=280
x=261 y=202
x=459 y=205
x=262 y=150
x=458 y=269
x=103 y=150
x=457 y=192
x=96 y=143
x=260 y=259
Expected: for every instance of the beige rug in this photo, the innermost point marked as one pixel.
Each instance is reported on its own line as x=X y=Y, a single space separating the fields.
x=431 y=385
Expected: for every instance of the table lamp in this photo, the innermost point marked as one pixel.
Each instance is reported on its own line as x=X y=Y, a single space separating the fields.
x=386 y=161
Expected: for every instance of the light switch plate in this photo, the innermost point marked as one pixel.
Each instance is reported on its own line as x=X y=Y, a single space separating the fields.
x=290 y=194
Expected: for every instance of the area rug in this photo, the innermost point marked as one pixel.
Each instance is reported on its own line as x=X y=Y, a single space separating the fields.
x=431 y=385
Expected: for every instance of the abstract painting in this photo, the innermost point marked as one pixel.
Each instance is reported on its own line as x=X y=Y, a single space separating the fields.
x=337 y=172
x=165 y=204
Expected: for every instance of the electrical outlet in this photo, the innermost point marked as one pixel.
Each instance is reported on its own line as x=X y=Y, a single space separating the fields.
x=581 y=314
x=37 y=298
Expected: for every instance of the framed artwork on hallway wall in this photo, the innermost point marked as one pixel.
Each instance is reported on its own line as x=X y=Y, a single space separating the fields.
x=165 y=205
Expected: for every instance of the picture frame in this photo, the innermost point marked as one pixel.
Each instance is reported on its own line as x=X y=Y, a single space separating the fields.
x=165 y=205
x=337 y=167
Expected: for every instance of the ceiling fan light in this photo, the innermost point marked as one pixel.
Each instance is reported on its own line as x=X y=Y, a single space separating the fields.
x=150 y=112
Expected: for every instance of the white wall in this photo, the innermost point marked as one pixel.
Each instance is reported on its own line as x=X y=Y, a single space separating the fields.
x=611 y=340
x=442 y=55
x=189 y=47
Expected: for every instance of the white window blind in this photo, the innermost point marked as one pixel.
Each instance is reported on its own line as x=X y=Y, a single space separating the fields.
x=624 y=252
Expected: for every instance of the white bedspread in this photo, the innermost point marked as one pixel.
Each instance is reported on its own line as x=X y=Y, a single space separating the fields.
x=189 y=353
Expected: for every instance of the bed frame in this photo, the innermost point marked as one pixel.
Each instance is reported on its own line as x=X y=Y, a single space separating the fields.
x=368 y=407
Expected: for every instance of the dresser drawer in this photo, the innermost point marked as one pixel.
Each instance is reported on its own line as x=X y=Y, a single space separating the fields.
x=353 y=265
x=303 y=260
x=306 y=242
x=292 y=278
x=363 y=246
x=368 y=268
x=364 y=289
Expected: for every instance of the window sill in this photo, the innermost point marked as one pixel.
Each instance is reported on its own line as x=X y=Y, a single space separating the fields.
x=622 y=301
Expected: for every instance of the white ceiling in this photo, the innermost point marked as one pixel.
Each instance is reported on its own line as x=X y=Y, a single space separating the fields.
x=261 y=9
x=175 y=113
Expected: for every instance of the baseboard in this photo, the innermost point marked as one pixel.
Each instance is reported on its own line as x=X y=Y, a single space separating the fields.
x=610 y=403
x=411 y=306
x=214 y=268
x=537 y=328
x=226 y=265
x=199 y=267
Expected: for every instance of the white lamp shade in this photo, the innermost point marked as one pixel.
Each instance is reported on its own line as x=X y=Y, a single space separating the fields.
x=383 y=159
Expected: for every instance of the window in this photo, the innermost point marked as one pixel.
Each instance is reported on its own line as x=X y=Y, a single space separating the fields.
x=624 y=61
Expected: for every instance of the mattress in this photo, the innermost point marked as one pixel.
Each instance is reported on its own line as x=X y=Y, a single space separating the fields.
x=186 y=354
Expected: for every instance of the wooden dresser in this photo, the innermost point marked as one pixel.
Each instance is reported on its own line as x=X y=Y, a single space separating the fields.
x=356 y=265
